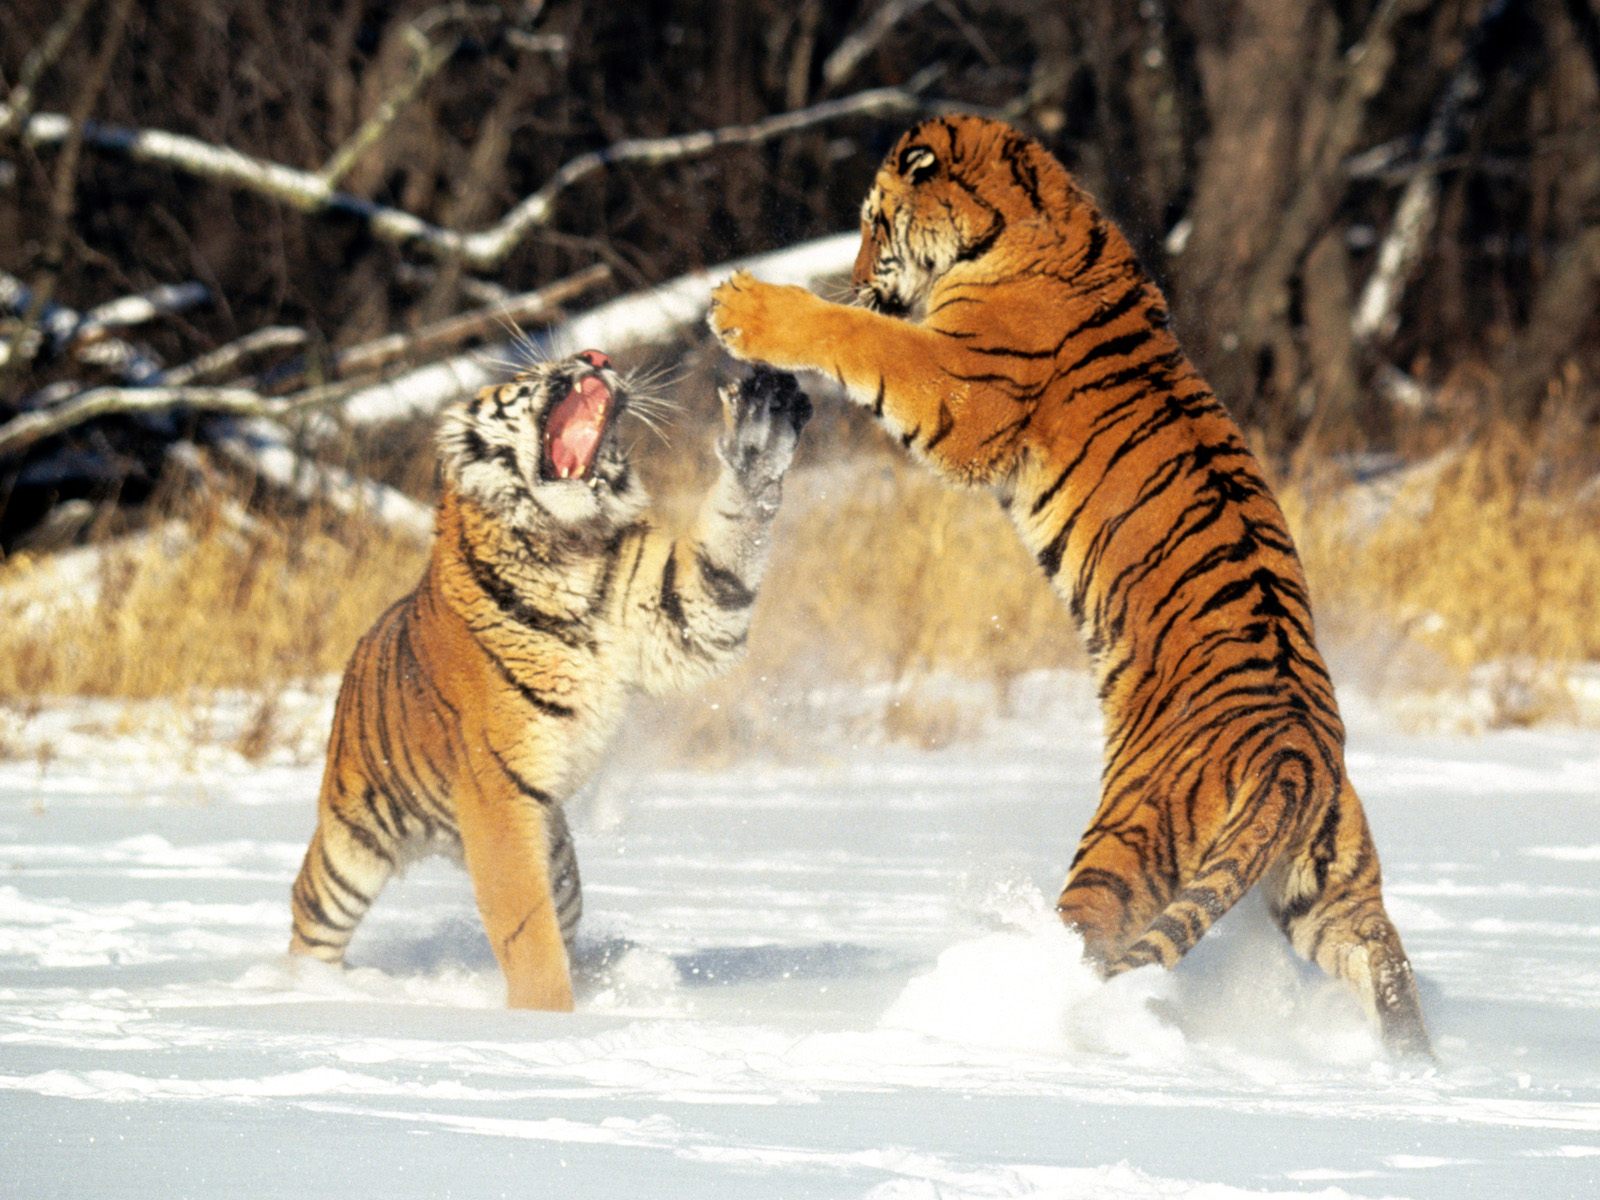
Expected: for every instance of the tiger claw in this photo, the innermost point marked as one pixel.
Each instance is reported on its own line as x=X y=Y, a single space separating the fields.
x=765 y=413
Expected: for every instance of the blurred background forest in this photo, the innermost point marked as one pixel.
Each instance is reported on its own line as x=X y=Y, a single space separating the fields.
x=227 y=225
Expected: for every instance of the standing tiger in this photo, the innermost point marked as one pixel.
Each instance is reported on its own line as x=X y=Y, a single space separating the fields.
x=480 y=702
x=1008 y=336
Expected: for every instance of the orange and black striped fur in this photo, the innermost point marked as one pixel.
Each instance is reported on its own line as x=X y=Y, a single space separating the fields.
x=1008 y=336
x=482 y=700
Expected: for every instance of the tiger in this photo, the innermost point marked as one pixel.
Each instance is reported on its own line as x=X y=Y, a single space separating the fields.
x=478 y=703
x=1006 y=333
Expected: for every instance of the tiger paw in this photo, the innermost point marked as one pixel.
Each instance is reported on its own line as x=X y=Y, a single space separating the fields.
x=764 y=415
x=759 y=321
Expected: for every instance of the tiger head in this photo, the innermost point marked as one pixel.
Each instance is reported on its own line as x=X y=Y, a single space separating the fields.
x=949 y=192
x=544 y=448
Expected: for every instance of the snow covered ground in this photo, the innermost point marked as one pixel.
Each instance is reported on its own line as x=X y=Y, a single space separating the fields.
x=831 y=980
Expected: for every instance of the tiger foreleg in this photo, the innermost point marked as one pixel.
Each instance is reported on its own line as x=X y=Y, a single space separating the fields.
x=507 y=841
x=891 y=366
x=695 y=600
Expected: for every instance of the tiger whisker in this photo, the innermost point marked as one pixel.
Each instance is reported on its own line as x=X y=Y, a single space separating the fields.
x=505 y=364
x=519 y=338
x=659 y=404
x=650 y=379
x=650 y=423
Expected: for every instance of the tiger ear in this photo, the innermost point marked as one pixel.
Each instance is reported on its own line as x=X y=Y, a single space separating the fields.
x=918 y=163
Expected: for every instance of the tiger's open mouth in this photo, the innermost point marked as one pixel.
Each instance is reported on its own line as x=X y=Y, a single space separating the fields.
x=574 y=428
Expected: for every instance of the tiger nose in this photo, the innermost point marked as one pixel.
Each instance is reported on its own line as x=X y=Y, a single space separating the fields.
x=595 y=358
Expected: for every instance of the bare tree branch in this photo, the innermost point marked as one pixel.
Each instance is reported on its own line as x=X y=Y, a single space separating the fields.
x=853 y=49
x=506 y=317
x=225 y=359
x=23 y=431
x=640 y=319
x=430 y=58
x=64 y=190
x=262 y=447
x=68 y=330
x=498 y=321
x=308 y=191
x=19 y=103
x=1377 y=310
x=163 y=300
x=1316 y=196
x=47 y=420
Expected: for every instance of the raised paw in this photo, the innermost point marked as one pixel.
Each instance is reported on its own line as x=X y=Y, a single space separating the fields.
x=756 y=320
x=764 y=414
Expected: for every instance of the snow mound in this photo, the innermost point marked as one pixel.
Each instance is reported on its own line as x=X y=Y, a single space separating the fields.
x=1241 y=998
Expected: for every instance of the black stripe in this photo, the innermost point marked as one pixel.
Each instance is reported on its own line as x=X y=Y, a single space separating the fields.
x=670 y=600
x=570 y=631
x=1121 y=345
x=1094 y=877
x=311 y=903
x=369 y=797
x=985 y=241
x=344 y=884
x=363 y=836
x=1096 y=245
x=480 y=451
x=549 y=707
x=544 y=798
x=312 y=941
x=1023 y=173
x=726 y=589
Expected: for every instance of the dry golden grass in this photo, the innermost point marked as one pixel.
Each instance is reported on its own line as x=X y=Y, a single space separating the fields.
x=881 y=576
x=196 y=603
x=1489 y=556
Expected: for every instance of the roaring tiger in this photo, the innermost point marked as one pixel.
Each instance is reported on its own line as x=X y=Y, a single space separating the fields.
x=477 y=704
x=1008 y=335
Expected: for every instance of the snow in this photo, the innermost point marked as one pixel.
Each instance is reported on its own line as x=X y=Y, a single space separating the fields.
x=833 y=978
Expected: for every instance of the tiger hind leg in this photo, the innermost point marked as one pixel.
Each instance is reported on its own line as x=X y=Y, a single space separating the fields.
x=1109 y=897
x=511 y=846
x=1327 y=899
x=345 y=867
x=1260 y=818
x=1219 y=884
x=566 y=886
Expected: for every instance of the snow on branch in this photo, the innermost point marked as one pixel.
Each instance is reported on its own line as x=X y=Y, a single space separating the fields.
x=89 y=336
x=262 y=448
x=645 y=318
x=506 y=317
x=225 y=359
x=34 y=426
x=311 y=191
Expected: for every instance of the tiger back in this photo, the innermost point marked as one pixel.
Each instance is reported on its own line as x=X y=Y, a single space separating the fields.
x=1006 y=333
x=478 y=703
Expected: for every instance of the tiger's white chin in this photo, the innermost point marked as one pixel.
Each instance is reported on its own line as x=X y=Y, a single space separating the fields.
x=605 y=495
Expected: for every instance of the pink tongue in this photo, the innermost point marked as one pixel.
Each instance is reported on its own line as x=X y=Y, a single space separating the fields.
x=573 y=431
